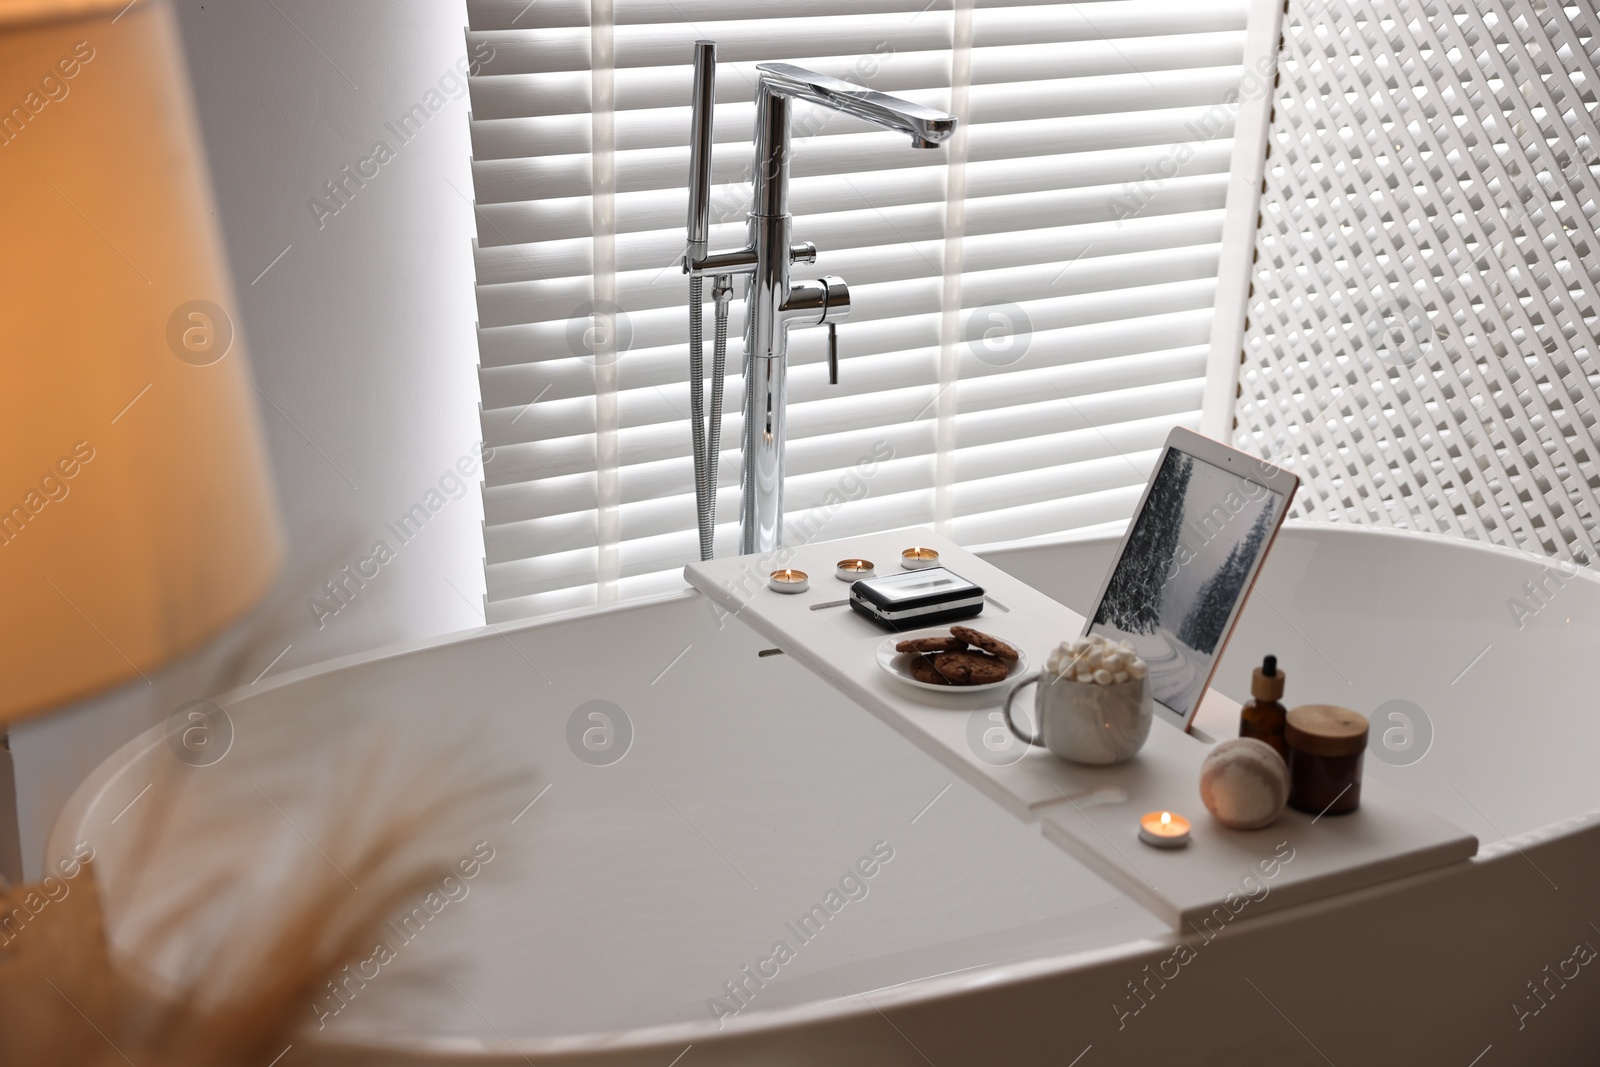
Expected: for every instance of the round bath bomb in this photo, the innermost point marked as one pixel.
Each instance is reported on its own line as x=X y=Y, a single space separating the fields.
x=1244 y=784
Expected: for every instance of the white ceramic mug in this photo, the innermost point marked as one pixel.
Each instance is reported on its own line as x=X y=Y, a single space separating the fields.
x=1086 y=722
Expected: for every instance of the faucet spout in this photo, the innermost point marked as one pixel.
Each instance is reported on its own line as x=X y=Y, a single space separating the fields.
x=926 y=126
x=781 y=82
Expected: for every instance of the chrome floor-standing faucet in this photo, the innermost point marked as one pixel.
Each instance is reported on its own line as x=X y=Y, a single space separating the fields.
x=774 y=303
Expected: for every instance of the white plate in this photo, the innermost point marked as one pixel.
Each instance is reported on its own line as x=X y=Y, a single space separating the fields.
x=897 y=664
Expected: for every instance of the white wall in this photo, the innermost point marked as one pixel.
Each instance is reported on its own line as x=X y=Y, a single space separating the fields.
x=361 y=338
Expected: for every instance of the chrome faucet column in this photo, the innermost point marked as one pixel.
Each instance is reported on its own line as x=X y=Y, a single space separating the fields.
x=774 y=302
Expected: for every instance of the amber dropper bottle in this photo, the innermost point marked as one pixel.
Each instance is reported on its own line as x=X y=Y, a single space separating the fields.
x=1262 y=716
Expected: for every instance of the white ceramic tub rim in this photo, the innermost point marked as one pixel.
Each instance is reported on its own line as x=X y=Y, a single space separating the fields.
x=919 y=990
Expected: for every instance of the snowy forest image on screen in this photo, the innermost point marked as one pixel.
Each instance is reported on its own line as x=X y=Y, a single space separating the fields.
x=1183 y=570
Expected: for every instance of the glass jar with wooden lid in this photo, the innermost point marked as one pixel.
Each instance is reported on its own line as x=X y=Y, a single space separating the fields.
x=1325 y=744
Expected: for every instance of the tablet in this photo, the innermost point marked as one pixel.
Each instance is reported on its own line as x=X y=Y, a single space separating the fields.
x=1188 y=561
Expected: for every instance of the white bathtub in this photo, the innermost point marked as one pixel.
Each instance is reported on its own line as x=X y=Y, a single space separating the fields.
x=620 y=903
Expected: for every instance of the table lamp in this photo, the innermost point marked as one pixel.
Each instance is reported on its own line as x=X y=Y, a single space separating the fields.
x=136 y=521
x=136 y=512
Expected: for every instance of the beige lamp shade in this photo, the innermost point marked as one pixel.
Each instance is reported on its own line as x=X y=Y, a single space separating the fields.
x=136 y=511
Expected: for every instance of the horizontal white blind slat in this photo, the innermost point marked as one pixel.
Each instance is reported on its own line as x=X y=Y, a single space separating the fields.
x=502 y=101
x=1082 y=175
x=822 y=409
x=520 y=15
x=1069 y=229
x=1097 y=145
x=512 y=52
x=547 y=177
x=665 y=127
x=892 y=498
x=1067 y=316
x=511 y=391
x=989 y=444
x=749 y=40
x=1022 y=261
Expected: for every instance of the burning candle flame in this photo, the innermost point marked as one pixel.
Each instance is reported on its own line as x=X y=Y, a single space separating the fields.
x=1163 y=829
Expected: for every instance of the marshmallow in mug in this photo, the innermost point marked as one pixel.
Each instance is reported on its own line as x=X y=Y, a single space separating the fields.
x=1095 y=658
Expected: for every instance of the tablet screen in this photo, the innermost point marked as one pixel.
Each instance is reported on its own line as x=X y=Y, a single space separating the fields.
x=1184 y=569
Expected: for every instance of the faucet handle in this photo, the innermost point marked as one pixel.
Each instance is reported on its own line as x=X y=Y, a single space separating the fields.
x=836 y=306
x=803 y=252
x=835 y=298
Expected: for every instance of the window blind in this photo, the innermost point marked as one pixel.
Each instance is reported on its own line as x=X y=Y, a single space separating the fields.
x=1032 y=303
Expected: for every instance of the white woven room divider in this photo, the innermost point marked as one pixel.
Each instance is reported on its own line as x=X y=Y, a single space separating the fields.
x=1420 y=339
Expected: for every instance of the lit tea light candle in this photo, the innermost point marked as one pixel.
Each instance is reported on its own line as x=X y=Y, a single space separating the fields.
x=788 y=581
x=853 y=570
x=913 y=559
x=1164 y=829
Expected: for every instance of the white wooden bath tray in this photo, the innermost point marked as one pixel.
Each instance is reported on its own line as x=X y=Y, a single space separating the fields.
x=1091 y=812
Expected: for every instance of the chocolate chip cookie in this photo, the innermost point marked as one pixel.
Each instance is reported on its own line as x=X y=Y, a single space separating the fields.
x=970 y=668
x=923 y=669
x=992 y=645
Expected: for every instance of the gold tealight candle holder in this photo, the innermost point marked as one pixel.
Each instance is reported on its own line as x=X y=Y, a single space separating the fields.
x=788 y=581
x=914 y=559
x=853 y=570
